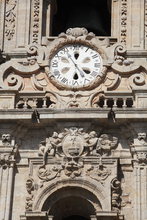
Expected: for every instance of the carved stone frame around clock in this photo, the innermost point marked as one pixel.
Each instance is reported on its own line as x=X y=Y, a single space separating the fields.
x=81 y=37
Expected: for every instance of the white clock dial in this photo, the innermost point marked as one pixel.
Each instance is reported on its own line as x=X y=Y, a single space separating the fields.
x=76 y=65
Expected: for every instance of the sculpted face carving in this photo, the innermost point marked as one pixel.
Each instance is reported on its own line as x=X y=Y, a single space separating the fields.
x=141 y=136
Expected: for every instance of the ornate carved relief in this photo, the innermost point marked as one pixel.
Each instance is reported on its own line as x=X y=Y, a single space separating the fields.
x=99 y=173
x=139 y=148
x=8 y=150
x=10 y=18
x=73 y=142
x=32 y=74
x=115 y=195
x=35 y=21
x=70 y=147
x=124 y=13
x=30 y=190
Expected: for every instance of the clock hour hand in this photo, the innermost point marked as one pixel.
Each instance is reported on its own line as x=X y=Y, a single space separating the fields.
x=80 y=71
x=76 y=66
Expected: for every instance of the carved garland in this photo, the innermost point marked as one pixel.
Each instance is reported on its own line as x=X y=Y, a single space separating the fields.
x=10 y=18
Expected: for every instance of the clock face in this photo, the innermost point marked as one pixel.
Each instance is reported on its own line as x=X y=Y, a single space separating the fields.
x=76 y=65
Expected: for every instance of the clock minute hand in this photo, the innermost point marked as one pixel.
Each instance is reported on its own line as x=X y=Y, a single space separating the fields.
x=81 y=72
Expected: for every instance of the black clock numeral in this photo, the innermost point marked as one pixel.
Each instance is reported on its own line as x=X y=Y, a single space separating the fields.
x=95 y=56
x=94 y=73
x=97 y=65
x=76 y=47
x=86 y=81
x=65 y=50
x=64 y=80
x=56 y=73
x=74 y=82
x=55 y=63
x=57 y=56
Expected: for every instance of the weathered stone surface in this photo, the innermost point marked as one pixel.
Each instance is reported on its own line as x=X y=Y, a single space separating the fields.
x=79 y=147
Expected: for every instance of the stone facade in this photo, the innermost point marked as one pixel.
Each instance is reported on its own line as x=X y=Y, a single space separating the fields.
x=72 y=151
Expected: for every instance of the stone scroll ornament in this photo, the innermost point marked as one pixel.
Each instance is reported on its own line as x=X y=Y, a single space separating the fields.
x=72 y=145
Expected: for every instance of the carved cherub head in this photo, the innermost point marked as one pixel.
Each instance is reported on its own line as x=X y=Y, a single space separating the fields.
x=92 y=134
x=141 y=136
x=6 y=138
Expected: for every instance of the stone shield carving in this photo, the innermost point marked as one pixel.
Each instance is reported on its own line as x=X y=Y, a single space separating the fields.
x=73 y=144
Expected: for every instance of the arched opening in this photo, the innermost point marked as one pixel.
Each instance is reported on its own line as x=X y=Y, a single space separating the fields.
x=94 y=15
x=72 y=207
x=72 y=203
x=75 y=217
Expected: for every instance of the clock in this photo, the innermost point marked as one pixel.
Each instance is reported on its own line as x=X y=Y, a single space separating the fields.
x=76 y=65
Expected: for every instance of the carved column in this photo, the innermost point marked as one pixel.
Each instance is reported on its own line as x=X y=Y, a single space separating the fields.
x=139 y=151
x=7 y=162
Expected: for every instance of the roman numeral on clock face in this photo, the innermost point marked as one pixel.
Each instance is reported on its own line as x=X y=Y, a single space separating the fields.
x=95 y=56
x=56 y=73
x=55 y=63
x=97 y=65
x=64 y=80
x=94 y=73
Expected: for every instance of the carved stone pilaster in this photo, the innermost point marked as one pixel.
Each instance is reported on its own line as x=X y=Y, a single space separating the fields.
x=139 y=149
x=139 y=152
x=8 y=151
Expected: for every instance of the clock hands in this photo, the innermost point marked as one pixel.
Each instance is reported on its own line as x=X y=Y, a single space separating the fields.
x=76 y=66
